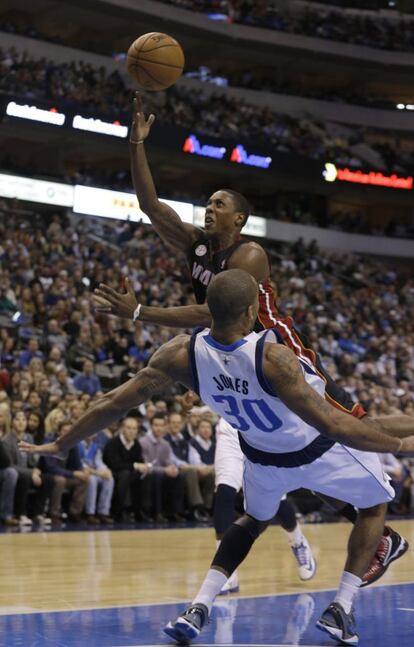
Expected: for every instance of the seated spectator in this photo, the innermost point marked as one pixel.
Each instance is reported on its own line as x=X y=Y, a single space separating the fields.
x=8 y=474
x=33 y=350
x=88 y=382
x=167 y=482
x=124 y=457
x=52 y=421
x=190 y=428
x=28 y=474
x=198 y=478
x=62 y=383
x=35 y=427
x=204 y=442
x=69 y=475
x=97 y=508
x=56 y=336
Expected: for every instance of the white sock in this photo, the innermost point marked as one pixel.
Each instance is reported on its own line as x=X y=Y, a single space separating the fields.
x=348 y=588
x=210 y=588
x=296 y=536
x=218 y=542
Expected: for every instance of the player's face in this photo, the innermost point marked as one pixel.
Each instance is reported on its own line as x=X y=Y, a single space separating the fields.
x=220 y=215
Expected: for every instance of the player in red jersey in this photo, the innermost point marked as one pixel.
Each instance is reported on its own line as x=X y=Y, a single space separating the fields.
x=217 y=247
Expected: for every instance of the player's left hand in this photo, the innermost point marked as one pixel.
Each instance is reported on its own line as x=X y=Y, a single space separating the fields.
x=115 y=303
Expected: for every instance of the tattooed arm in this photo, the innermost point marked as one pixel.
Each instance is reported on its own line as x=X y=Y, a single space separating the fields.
x=168 y=365
x=285 y=376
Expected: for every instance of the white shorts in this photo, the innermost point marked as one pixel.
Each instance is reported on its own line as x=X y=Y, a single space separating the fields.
x=346 y=474
x=229 y=458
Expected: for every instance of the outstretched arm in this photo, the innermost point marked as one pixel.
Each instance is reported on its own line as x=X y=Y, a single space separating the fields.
x=107 y=300
x=166 y=222
x=167 y=365
x=285 y=376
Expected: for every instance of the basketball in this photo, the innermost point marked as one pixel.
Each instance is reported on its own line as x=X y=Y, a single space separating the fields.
x=155 y=61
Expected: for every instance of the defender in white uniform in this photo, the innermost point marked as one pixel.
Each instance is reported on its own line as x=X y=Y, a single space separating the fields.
x=234 y=385
x=288 y=432
x=291 y=438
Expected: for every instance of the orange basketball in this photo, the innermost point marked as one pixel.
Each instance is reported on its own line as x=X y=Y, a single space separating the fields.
x=155 y=61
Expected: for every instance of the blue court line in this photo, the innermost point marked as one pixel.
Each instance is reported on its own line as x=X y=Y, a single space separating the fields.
x=384 y=619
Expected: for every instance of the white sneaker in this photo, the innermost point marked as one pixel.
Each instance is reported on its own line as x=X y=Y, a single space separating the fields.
x=305 y=559
x=25 y=521
x=232 y=585
x=43 y=521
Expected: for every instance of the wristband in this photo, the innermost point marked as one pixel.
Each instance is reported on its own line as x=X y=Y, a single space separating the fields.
x=140 y=141
x=137 y=310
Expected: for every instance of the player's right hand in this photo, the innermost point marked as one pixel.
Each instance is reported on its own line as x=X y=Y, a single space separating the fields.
x=140 y=125
x=115 y=303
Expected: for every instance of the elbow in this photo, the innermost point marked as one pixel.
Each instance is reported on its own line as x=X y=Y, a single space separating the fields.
x=149 y=207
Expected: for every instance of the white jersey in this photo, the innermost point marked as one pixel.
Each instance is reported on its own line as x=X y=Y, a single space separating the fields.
x=230 y=379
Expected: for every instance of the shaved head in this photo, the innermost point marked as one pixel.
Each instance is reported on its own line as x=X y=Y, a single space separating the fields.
x=230 y=294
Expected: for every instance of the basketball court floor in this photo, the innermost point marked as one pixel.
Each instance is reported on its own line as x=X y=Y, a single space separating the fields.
x=118 y=588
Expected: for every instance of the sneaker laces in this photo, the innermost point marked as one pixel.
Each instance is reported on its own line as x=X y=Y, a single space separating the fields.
x=301 y=553
x=197 y=611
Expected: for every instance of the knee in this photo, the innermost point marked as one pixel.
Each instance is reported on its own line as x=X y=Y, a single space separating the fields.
x=10 y=475
x=374 y=511
x=254 y=527
x=59 y=482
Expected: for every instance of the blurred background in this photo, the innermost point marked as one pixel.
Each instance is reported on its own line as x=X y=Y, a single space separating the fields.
x=307 y=108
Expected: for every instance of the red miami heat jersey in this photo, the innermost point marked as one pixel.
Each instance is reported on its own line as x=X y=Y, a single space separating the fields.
x=204 y=265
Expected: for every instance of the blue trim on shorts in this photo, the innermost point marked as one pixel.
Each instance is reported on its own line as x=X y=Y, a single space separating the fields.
x=193 y=363
x=304 y=456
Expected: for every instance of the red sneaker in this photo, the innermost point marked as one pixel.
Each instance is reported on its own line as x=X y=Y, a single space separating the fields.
x=391 y=547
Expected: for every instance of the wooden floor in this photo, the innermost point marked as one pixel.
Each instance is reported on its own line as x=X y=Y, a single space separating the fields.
x=78 y=570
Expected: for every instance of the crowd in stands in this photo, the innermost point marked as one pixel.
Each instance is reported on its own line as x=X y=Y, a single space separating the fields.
x=303 y=209
x=368 y=29
x=372 y=30
x=269 y=81
x=57 y=357
x=79 y=84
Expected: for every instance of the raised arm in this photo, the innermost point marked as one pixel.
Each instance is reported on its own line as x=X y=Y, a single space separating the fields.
x=285 y=376
x=168 y=365
x=166 y=222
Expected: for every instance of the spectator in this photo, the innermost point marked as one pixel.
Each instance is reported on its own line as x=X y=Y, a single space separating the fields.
x=204 y=441
x=198 y=478
x=124 y=457
x=35 y=427
x=88 y=382
x=28 y=474
x=167 y=482
x=97 y=508
x=32 y=350
x=8 y=474
x=69 y=475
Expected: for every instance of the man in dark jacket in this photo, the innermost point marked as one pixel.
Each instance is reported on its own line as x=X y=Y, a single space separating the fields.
x=123 y=455
x=68 y=474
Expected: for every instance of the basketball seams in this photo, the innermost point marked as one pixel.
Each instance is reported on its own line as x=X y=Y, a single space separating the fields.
x=147 y=51
x=137 y=51
x=157 y=72
x=146 y=60
x=142 y=69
